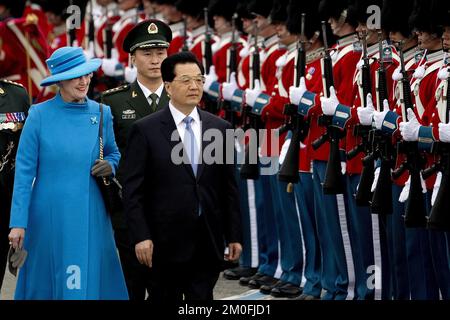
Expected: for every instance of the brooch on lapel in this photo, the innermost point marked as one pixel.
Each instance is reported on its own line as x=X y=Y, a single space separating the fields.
x=94 y=120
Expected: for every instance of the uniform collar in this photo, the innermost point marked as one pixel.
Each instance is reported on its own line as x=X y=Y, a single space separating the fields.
x=292 y=47
x=268 y=42
x=435 y=56
x=346 y=40
x=177 y=27
x=147 y=92
x=198 y=31
x=314 y=55
x=410 y=53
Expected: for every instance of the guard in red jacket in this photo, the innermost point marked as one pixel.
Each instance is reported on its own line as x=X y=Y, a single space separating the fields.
x=23 y=51
x=331 y=220
x=425 y=85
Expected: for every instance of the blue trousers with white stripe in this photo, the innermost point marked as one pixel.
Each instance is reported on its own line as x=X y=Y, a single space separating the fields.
x=248 y=198
x=422 y=282
x=304 y=192
x=266 y=222
x=359 y=221
x=291 y=247
x=396 y=235
x=334 y=277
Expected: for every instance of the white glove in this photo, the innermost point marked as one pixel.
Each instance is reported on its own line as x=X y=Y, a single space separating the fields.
x=245 y=51
x=405 y=191
x=252 y=94
x=419 y=73
x=330 y=104
x=443 y=74
x=378 y=118
x=436 y=187
x=109 y=65
x=130 y=74
x=410 y=129
x=343 y=167
x=210 y=78
x=228 y=88
x=397 y=75
x=444 y=132
x=296 y=93
x=365 y=115
x=89 y=53
x=284 y=150
x=375 y=179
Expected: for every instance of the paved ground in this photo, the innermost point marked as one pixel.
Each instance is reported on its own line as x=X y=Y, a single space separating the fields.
x=225 y=289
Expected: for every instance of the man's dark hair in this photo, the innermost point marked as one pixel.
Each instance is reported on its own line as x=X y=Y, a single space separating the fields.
x=168 y=65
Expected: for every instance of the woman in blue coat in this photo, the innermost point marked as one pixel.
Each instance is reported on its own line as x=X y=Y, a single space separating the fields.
x=58 y=214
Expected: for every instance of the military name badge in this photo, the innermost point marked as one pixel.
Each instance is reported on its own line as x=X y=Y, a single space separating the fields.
x=387 y=53
x=418 y=55
x=128 y=114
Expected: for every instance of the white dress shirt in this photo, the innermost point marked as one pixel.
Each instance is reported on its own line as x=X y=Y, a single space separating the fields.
x=147 y=92
x=181 y=126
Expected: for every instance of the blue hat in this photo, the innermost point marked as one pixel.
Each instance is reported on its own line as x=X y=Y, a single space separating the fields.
x=69 y=63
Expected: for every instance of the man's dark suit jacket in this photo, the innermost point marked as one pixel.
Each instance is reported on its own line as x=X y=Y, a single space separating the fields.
x=162 y=199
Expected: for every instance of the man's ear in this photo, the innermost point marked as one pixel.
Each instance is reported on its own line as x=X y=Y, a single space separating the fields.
x=168 y=87
x=133 y=59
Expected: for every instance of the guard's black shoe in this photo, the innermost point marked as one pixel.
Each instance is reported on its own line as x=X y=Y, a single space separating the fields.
x=238 y=272
x=245 y=280
x=263 y=281
x=288 y=290
x=267 y=289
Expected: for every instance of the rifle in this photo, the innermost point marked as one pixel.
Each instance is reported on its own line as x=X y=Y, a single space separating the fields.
x=207 y=54
x=382 y=196
x=91 y=27
x=439 y=218
x=108 y=37
x=289 y=169
x=185 y=37
x=364 y=194
x=415 y=211
x=230 y=115
x=333 y=183
x=251 y=170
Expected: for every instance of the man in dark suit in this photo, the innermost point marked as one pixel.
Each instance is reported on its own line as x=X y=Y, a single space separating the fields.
x=147 y=44
x=181 y=216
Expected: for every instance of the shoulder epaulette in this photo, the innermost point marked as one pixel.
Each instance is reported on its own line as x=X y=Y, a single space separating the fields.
x=115 y=90
x=12 y=82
